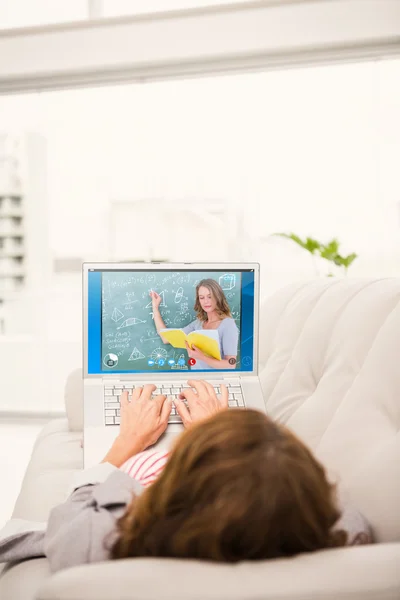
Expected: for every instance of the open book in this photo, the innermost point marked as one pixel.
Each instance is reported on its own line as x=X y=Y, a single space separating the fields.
x=206 y=340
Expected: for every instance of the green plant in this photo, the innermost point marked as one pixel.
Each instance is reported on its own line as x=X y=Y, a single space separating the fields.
x=329 y=251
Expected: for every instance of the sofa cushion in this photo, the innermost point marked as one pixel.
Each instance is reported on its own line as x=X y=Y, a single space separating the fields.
x=57 y=455
x=331 y=351
x=358 y=573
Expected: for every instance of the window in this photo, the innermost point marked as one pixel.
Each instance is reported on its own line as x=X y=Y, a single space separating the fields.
x=113 y=8
x=199 y=169
x=28 y=13
x=24 y=13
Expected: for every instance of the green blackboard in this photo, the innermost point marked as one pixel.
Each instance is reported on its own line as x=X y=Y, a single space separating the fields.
x=128 y=329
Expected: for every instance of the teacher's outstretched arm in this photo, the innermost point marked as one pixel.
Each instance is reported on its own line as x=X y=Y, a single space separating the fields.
x=158 y=320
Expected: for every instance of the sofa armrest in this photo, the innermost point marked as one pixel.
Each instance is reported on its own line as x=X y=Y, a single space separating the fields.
x=22 y=580
x=356 y=573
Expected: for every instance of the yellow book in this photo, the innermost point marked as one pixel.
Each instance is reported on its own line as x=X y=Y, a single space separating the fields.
x=206 y=340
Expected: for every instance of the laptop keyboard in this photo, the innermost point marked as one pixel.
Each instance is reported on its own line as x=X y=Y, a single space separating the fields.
x=112 y=393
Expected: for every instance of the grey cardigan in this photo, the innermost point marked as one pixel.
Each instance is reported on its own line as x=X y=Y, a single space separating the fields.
x=79 y=531
x=83 y=528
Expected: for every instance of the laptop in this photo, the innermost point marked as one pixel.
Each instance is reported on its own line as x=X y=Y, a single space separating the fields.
x=124 y=346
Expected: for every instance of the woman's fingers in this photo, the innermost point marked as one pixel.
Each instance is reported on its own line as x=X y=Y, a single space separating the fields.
x=224 y=396
x=188 y=394
x=136 y=393
x=166 y=409
x=148 y=389
x=210 y=388
x=159 y=402
x=198 y=385
x=124 y=399
x=183 y=412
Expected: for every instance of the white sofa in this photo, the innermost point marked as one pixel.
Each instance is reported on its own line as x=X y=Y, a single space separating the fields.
x=329 y=363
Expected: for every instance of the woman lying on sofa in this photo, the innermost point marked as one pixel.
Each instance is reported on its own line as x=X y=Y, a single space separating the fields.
x=236 y=486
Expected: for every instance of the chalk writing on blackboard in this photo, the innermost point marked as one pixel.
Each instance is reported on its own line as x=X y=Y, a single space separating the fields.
x=128 y=329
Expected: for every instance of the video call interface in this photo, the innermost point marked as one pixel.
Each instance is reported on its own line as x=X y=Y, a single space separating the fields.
x=170 y=321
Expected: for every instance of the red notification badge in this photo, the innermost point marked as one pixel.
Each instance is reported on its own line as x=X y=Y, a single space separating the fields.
x=192 y=361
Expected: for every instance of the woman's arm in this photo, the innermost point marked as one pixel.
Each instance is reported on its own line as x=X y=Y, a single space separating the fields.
x=83 y=529
x=143 y=420
x=229 y=342
x=355 y=525
x=158 y=320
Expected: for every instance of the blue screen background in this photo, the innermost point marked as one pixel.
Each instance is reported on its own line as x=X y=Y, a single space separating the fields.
x=94 y=308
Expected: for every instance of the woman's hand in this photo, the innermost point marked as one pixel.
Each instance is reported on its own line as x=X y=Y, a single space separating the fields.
x=194 y=352
x=155 y=299
x=143 y=420
x=202 y=402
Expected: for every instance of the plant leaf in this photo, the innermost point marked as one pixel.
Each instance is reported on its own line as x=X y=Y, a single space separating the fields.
x=330 y=250
x=333 y=246
x=312 y=245
x=347 y=260
x=338 y=260
x=292 y=236
x=309 y=244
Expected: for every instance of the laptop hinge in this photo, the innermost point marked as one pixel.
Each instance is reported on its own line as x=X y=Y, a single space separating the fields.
x=172 y=375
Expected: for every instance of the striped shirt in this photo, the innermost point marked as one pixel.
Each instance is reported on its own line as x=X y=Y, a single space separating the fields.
x=146 y=466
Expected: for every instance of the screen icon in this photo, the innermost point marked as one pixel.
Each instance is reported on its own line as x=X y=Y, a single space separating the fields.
x=110 y=360
x=151 y=362
x=171 y=362
x=192 y=361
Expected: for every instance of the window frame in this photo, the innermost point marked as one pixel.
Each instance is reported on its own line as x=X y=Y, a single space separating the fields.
x=259 y=35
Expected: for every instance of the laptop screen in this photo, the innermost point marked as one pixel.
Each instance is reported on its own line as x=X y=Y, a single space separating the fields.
x=166 y=320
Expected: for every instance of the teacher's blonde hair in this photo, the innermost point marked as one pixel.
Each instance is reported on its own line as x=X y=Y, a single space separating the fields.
x=223 y=309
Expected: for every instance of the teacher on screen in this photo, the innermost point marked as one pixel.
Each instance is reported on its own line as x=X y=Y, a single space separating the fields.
x=213 y=312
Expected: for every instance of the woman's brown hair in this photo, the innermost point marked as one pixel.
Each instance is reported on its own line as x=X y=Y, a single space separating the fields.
x=223 y=309
x=236 y=487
